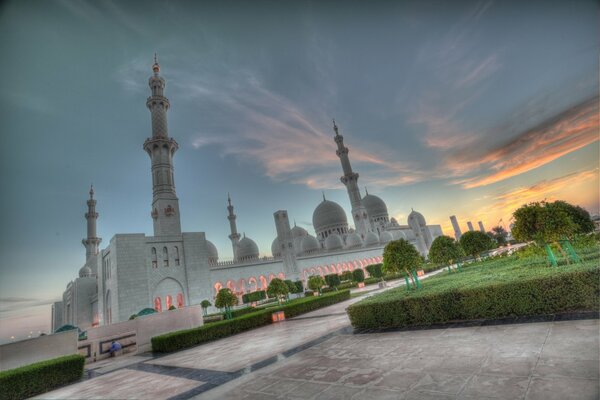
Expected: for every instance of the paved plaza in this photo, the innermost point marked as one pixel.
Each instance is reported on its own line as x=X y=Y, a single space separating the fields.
x=317 y=356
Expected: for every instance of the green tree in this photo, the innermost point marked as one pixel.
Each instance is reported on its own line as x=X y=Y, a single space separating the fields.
x=499 y=234
x=278 y=288
x=374 y=270
x=205 y=304
x=316 y=282
x=400 y=255
x=580 y=217
x=475 y=242
x=445 y=251
x=333 y=280
x=226 y=299
x=358 y=275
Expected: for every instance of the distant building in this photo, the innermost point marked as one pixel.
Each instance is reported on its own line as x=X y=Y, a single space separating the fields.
x=175 y=268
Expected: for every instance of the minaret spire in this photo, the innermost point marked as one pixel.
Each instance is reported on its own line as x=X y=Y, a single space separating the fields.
x=350 y=179
x=234 y=236
x=161 y=149
x=92 y=242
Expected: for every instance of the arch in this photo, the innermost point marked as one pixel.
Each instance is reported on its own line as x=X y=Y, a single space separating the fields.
x=281 y=276
x=339 y=268
x=263 y=282
x=231 y=285
x=313 y=271
x=167 y=290
x=168 y=302
x=271 y=277
x=332 y=269
x=218 y=286
x=320 y=270
x=157 y=304
x=180 y=302
x=252 y=284
x=326 y=269
x=242 y=286
x=344 y=267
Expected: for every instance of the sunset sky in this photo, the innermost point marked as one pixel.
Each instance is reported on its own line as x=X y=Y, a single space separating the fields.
x=466 y=108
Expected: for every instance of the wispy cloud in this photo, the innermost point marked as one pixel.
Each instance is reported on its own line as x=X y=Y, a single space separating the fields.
x=570 y=130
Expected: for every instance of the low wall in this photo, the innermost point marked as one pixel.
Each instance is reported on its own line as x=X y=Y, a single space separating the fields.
x=24 y=352
x=135 y=335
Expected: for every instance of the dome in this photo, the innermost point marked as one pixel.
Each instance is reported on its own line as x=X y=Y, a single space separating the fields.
x=371 y=239
x=398 y=234
x=333 y=242
x=213 y=254
x=353 y=240
x=275 y=249
x=85 y=271
x=310 y=244
x=416 y=219
x=375 y=206
x=393 y=222
x=298 y=232
x=385 y=237
x=247 y=249
x=329 y=214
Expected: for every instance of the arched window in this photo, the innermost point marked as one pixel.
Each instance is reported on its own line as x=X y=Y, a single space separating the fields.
x=169 y=301
x=176 y=255
x=179 y=300
x=154 y=261
x=157 y=304
x=166 y=258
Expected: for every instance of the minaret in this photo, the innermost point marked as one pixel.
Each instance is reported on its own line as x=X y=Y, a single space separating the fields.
x=161 y=148
x=470 y=226
x=235 y=236
x=92 y=242
x=457 y=232
x=350 y=179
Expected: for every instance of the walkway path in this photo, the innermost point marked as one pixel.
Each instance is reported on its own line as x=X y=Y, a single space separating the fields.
x=318 y=352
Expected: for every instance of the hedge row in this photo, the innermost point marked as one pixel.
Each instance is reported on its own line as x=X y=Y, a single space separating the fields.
x=190 y=337
x=568 y=291
x=254 y=296
x=41 y=377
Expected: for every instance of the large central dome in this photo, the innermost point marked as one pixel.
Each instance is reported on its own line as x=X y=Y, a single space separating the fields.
x=375 y=206
x=329 y=215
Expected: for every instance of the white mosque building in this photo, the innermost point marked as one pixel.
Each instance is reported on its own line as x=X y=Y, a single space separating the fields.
x=175 y=268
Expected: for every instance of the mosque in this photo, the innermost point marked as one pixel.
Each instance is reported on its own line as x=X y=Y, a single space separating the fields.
x=175 y=268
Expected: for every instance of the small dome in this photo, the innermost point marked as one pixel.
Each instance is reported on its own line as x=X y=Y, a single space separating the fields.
x=310 y=244
x=393 y=222
x=213 y=254
x=298 y=232
x=397 y=234
x=247 y=249
x=333 y=242
x=329 y=214
x=375 y=206
x=371 y=239
x=385 y=237
x=85 y=271
x=353 y=240
x=416 y=219
x=275 y=248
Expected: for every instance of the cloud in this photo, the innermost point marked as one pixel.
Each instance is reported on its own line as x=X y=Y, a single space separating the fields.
x=572 y=129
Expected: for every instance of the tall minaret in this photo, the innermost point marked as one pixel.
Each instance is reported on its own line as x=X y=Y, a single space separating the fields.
x=92 y=242
x=161 y=148
x=235 y=236
x=350 y=179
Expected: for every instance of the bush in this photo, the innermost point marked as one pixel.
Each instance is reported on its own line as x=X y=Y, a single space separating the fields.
x=172 y=308
x=329 y=289
x=309 y=293
x=332 y=280
x=41 y=377
x=190 y=337
x=546 y=291
x=254 y=296
x=370 y=281
x=375 y=270
x=316 y=282
x=346 y=276
x=358 y=275
x=294 y=287
x=347 y=285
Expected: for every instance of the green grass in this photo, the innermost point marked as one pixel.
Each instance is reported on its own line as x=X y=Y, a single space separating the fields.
x=494 y=288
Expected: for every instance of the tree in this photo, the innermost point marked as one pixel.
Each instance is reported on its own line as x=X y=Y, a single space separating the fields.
x=499 y=234
x=277 y=288
x=400 y=255
x=333 y=280
x=205 y=304
x=358 y=275
x=580 y=217
x=226 y=299
x=475 y=242
x=445 y=251
x=374 y=270
x=316 y=282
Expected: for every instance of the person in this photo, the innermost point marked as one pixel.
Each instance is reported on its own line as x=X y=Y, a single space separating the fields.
x=114 y=347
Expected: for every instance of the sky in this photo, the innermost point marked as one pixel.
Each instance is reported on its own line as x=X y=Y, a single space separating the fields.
x=466 y=108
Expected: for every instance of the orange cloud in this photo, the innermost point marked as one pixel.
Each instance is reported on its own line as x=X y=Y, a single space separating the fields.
x=563 y=134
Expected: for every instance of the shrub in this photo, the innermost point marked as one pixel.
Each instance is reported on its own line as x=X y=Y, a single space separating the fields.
x=374 y=270
x=190 y=337
x=329 y=289
x=445 y=250
x=172 y=308
x=358 y=275
x=346 y=285
x=41 y=377
x=332 y=280
x=132 y=316
x=278 y=289
x=527 y=295
x=309 y=293
x=294 y=287
x=225 y=298
x=316 y=282
x=205 y=304
x=346 y=276
x=372 y=280
x=475 y=242
x=254 y=296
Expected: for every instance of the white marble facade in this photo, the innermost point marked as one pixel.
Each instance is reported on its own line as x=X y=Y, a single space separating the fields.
x=174 y=268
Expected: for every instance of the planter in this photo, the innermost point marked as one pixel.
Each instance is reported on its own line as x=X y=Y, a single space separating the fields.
x=360 y=284
x=278 y=316
x=420 y=272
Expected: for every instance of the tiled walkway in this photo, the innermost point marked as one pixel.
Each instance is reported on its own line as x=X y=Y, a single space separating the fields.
x=316 y=356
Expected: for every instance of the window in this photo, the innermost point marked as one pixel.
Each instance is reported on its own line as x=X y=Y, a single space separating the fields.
x=165 y=257
x=176 y=255
x=179 y=300
x=154 y=261
x=169 y=301
x=157 y=304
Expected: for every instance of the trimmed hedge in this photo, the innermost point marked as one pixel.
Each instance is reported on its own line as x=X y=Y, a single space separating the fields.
x=190 y=337
x=374 y=270
x=332 y=280
x=573 y=290
x=254 y=296
x=41 y=377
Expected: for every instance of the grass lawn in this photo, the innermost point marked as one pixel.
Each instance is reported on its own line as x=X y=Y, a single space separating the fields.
x=494 y=288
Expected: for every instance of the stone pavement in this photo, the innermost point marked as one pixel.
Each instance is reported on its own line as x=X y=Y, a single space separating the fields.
x=317 y=356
